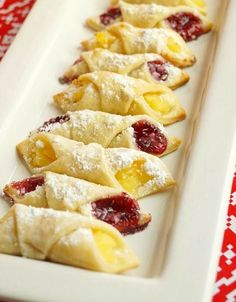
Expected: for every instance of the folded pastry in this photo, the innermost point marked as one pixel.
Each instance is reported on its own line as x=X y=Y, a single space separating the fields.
x=64 y=193
x=200 y=5
x=120 y=94
x=149 y=67
x=64 y=237
x=185 y=20
x=138 y=132
x=126 y=39
x=136 y=172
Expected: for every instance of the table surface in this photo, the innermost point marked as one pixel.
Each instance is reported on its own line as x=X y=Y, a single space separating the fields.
x=12 y=15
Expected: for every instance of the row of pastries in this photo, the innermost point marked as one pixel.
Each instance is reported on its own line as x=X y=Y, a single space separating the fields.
x=91 y=165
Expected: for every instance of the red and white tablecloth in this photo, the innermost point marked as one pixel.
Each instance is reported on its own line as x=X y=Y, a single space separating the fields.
x=12 y=15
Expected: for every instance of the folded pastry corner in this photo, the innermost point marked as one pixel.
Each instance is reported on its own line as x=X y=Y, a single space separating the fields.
x=136 y=172
x=186 y=21
x=138 y=132
x=149 y=67
x=64 y=237
x=64 y=193
x=126 y=39
x=200 y=5
x=119 y=94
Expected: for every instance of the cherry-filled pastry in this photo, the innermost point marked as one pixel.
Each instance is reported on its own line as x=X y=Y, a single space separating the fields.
x=186 y=21
x=64 y=237
x=64 y=193
x=200 y=5
x=138 y=173
x=120 y=94
x=126 y=39
x=113 y=131
x=149 y=67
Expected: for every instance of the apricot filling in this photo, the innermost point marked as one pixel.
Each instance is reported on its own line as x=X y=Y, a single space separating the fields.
x=110 y=16
x=42 y=154
x=122 y=212
x=104 y=39
x=46 y=127
x=149 y=138
x=187 y=25
x=133 y=177
x=158 y=102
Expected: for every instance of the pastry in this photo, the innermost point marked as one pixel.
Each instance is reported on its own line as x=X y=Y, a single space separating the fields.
x=64 y=237
x=120 y=94
x=185 y=20
x=200 y=5
x=149 y=67
x=64 y=193
x=138 y=132
x=126 y=39
x=136 y=172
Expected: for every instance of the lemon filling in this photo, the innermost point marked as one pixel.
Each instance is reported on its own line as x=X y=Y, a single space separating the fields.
x=173 y=45
x=199 y=3
x=158 y=102
x=133 y=177
x=106 y=245
x=42 y=153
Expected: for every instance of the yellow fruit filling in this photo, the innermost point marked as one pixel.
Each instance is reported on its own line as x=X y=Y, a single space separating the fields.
x=104 y=39
x=199 y=3
x=158 y=102
x=133 y=177
x=107 y=245
x=173 y=45
x=77 y=95
x=42 y=153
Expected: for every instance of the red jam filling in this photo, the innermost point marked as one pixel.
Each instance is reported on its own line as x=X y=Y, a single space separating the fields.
x=158 y=70
x=110 y=16
x=187 y=25
x=69 y=79
x=79 y=60
x=56 y=120
x=149 y=138
x=120 y=211
x=28 y=185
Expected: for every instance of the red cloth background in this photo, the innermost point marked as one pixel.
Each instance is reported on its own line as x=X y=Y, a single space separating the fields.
x=12 y=15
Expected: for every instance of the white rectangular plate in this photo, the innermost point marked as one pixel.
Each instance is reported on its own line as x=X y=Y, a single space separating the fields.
x=203 y=167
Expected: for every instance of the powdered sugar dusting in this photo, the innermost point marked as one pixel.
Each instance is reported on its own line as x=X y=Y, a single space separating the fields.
x=126 y=83
x=39 y=144
x=78 y=237
x=88 y=158
x=70 y=92
x=144 y=9
x=28 y=214
x=122 y=157
x=153 y=168
x=130 y=130
x=153 y=57
x=82 y=119
x=112 y=61
x=158 y=35
x=68 y=189
x=112 y=83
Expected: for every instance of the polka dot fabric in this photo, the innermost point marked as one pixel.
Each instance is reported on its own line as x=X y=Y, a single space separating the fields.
x=12 y=15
